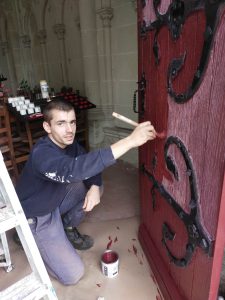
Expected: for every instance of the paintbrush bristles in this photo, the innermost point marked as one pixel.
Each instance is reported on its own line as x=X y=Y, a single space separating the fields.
x=124 y=119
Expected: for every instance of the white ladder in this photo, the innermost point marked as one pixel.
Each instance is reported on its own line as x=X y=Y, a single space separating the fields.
x=36 y=285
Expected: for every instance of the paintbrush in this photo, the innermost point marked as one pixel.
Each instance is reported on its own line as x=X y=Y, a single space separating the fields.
x=160 y=135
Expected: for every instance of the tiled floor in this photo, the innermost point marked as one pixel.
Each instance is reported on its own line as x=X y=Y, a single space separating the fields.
x=120 y=224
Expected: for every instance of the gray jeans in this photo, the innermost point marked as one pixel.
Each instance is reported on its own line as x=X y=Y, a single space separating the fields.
x=60 y=258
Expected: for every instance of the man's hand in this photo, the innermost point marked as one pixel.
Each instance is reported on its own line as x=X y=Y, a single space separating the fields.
x=92 y=198
x=142 y=133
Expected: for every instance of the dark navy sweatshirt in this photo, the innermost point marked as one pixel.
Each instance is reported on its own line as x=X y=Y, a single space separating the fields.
x=42 y=184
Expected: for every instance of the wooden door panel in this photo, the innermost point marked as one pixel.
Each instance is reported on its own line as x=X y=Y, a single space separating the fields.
x=181 y=176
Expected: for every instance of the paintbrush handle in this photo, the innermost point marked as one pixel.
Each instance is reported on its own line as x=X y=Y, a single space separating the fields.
x=160 y=135
x=124 y=119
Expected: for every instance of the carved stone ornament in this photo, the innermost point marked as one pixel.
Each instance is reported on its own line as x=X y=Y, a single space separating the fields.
x=106 y=15
x=42 y=35
x=59 y=30
x=26 y=40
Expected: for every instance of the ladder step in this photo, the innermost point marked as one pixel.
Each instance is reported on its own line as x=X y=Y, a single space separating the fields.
x=25 y=289
x=8 y=219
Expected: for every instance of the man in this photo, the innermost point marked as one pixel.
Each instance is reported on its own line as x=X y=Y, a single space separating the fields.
x=60 y=182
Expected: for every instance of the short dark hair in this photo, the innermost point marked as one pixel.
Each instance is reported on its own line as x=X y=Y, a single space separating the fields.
x=58 y=104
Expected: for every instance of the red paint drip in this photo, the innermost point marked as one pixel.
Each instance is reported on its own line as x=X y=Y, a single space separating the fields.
x=135 y=250
x=116 y=239
x=98 y=284
x=117 y=227
x=109 y=244
x=133 y=239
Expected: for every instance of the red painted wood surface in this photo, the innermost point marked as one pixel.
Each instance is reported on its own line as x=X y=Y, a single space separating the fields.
x=200 y=124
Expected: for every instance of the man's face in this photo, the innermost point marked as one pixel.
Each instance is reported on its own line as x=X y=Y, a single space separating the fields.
x=62 y=127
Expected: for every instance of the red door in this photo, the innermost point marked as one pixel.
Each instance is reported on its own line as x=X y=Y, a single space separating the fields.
x=182 y=92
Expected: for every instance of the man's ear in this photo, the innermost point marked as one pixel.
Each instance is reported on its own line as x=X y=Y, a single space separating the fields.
x=47 y=127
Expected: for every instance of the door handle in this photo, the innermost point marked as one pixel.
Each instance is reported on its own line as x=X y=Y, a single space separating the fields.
x=141 y=94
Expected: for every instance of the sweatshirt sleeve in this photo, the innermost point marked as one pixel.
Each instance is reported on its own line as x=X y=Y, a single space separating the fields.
x=94 y=180
x=53 y=164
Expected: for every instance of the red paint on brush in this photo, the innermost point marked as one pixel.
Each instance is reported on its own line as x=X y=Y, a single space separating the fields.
x=161 y=135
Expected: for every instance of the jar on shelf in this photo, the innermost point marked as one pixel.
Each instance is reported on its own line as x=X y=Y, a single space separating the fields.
x=44 y=89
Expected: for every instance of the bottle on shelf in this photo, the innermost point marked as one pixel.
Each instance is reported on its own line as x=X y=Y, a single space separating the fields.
x=44 y=90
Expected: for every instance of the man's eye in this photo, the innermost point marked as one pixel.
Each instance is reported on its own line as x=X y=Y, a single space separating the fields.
x=73 y=122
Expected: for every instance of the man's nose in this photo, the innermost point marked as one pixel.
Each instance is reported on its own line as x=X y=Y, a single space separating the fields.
x=69 y=127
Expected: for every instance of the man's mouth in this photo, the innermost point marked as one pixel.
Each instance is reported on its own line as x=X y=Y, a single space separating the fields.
x=69 y=137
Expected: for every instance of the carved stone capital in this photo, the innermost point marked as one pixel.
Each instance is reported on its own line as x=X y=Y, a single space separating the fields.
x=26 y=40
x=42 y=35
x=5 y=47
x=59 y=30
x=106 y=15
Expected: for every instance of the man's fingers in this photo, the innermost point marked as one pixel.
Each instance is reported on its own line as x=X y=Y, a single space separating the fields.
x=88 y=205
x=85 y=203
x=143 y=124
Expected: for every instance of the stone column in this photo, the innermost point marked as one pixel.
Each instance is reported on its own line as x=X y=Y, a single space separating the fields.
x=106 y=14
x=91 y=70
x=89 y=50
x=11 y=66
x=27 y=57
x=42 y=39
x=59 y=30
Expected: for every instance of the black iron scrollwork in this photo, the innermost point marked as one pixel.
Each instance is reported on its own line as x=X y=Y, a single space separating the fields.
x=143 y=3
x=173 y=71
x=141 y=90
x=174 y=19
x=195 y=232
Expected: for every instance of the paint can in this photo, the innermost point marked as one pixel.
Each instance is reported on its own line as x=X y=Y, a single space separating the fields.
x=110 y=263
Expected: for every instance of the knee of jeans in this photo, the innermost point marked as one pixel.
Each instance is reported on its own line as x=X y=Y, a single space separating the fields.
x=74 y=276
